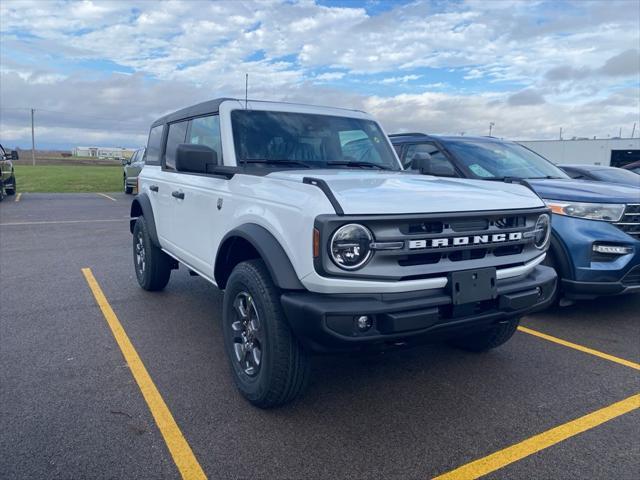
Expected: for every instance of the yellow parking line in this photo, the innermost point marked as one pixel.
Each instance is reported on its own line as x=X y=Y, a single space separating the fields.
x=107 y=196
x=575 y=346
x=541 y=441
x=178 y=447
x=18 y=197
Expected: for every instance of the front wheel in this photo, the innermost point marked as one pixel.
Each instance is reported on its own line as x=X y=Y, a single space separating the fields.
x=152 y=265
x=487 y=339
x=269 y=366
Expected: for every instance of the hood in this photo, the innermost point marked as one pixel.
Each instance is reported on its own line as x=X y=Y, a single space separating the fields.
x=585 y=191
x=380 y=192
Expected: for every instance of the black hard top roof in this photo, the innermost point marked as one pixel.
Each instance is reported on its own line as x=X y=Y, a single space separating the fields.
x=210 y=106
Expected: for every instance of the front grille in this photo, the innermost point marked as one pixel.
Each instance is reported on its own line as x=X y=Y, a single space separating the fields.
x=632 y=278
x=630 y=221
x=426 y=245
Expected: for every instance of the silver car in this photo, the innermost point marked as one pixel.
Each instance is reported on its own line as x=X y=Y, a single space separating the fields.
x=132 y=167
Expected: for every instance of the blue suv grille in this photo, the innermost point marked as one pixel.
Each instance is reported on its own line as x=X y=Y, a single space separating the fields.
x=630 y=221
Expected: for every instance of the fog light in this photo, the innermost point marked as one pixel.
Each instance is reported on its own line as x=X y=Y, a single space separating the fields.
x=612 y=249
x=364 y=323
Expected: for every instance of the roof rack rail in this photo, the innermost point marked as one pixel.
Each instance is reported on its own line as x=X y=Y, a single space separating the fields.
x=409 y=134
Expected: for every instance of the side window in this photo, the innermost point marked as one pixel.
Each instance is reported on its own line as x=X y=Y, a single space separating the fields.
x=206 y=131
x=176 y=136
x=154 y=145
x=141 y=156
x=440 y=164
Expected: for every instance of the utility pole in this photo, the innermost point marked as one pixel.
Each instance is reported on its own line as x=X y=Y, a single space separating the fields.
x=620 y=134
x=560 y=133
x=491 y=125
x=33 y=141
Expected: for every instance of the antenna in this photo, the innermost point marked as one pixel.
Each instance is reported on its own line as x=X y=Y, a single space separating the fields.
x=246 y=89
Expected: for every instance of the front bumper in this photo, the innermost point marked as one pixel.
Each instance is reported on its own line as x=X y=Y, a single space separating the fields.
x=326 y=322
x=584 y=274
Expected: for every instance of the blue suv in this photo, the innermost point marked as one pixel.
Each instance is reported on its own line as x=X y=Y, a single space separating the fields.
x=595 y=245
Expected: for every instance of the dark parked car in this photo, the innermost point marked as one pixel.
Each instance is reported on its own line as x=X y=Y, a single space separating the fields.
x=132 y=169
x=7 y=173
x=595 y=241
x=599 y=173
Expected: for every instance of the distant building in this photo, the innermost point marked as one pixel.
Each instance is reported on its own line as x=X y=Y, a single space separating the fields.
x=117 y=153
x=615 y=152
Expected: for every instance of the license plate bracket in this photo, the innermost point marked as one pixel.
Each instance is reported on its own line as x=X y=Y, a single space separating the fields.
x=470 y=286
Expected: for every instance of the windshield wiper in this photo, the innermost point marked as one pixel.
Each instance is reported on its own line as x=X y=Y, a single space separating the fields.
x=274 y=161
x=504 y=179
x=347 y=163
x=546 y=177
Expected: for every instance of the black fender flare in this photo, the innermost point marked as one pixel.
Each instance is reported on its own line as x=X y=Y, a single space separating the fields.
x=141 y=207
x=563 y=263
x=269 y=249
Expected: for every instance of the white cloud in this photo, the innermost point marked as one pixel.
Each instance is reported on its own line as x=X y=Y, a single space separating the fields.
x=326 y=77
x=566 y=63
x=403 y=79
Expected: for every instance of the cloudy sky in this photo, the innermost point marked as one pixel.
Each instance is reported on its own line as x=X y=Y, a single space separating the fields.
x=99 y=72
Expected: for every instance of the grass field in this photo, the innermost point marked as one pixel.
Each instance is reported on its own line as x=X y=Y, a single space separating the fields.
x=68 y=178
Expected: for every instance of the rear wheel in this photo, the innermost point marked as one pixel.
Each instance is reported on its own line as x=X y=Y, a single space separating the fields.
x=10 y=187
x=152 y=265
x=487 y=339
x=269 y=366
x=1 y=191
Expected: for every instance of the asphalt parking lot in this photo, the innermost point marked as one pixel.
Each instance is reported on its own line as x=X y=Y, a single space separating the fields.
x=71 y=408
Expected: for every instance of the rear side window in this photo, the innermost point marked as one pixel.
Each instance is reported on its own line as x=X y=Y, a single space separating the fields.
x=176 y=136
x=154 y=145
x=206 y=131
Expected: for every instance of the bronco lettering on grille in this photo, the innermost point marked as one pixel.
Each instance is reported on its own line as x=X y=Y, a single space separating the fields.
x=468 y=240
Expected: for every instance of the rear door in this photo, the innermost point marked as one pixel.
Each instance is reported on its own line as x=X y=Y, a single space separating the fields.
x=156 y=183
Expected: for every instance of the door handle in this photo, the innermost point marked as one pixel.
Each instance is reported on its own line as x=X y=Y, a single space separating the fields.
x=154 y=188
x=178 y=194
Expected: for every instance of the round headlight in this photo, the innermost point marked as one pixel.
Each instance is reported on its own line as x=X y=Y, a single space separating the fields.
x=542 y=231
x=350 y=246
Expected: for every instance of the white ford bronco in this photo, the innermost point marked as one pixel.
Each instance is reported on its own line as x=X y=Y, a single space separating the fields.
x=321 y=242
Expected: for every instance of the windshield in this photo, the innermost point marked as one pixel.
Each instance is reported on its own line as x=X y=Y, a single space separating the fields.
x=617 y=175
x=499 y=160
x=309 y=140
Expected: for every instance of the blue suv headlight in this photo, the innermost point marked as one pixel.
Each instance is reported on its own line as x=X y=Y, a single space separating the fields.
x=608 y=212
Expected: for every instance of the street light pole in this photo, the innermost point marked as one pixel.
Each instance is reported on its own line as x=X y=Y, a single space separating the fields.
x=33 y=141
x=491 y=125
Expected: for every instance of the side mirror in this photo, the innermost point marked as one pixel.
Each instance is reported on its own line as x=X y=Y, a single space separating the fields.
x=126 y=161
x=421 y=162
x=195 y=158
x=14 y=155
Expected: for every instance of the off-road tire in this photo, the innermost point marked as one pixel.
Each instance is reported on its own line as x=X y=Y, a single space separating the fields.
x=485 y=340
x=127 y=189
x=284 y=369
x=154 y=272
x=12 y=189
x=1 y=191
